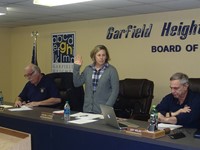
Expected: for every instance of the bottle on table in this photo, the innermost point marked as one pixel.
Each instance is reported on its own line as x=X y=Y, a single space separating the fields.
x=67 y=112
x=1 y=98
x=153 y=122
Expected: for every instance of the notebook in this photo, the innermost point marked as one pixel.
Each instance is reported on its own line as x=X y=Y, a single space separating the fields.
x=110 y=118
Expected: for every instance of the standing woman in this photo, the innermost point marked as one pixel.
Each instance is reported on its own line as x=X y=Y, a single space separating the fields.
x=100 y=78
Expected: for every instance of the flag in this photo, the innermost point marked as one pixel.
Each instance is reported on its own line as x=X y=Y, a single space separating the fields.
x=34 y=54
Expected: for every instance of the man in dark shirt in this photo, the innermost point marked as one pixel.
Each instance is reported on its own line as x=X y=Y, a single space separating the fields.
x=181 y=106
x=40 y=90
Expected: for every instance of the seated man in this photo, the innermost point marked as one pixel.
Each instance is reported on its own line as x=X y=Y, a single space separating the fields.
x=181 y=106
x=38 y=91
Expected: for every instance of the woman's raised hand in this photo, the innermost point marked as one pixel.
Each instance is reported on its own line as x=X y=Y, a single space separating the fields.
x=78 y=60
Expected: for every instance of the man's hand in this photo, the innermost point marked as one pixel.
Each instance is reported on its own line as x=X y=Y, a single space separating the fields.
x=19 y=103
x=186 y=109
x=161 y=118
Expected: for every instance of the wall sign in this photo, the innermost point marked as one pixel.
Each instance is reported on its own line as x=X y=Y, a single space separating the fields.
x=180 y=30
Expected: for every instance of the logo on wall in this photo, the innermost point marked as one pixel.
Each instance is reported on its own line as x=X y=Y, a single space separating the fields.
x=63 y=50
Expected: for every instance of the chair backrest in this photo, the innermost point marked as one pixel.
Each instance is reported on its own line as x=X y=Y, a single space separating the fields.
x=194 y=84
x=64 y=83
x=135 y=98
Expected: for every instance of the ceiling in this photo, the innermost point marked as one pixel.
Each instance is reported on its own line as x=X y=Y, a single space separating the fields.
x=25 y=13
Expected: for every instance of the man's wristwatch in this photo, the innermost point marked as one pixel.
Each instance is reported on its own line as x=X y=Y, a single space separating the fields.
x=170 y=113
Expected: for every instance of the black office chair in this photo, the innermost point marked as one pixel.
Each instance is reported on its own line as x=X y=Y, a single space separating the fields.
x=64 y=83
x=194 y=84
x=135 y=98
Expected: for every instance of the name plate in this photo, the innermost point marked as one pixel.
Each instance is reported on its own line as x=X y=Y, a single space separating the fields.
x=46 y=115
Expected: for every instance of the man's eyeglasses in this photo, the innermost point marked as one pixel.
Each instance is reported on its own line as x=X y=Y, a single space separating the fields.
x=29 y=74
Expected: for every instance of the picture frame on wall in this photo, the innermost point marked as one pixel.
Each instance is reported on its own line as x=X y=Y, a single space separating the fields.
x=63 y=51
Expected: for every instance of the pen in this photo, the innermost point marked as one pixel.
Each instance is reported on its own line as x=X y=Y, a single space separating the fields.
x=18 y=106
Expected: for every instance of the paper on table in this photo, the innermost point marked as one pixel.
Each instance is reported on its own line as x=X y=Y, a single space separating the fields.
x=82 y=121
x=6 y=106
x=22 y=108
x=82 y=118
x=87 y=116
x=58 y=112
x=162 y=126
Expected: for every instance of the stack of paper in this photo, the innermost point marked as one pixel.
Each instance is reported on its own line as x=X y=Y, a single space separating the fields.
x=22 y=108
x=82 y=118
x=162 y=126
